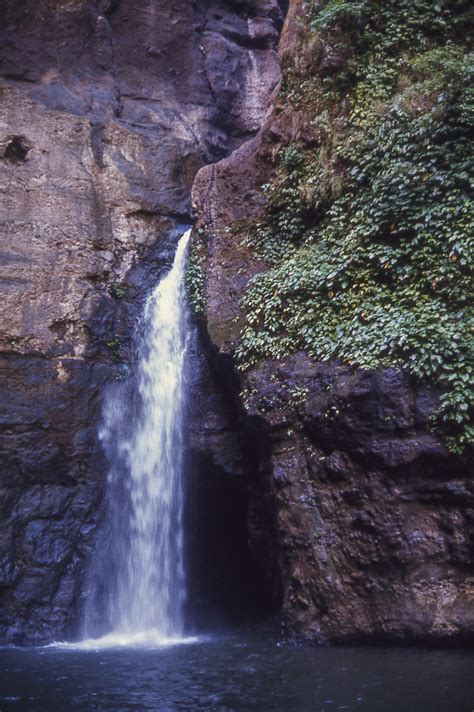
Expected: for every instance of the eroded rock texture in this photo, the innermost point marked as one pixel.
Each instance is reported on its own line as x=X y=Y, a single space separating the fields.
x=108 y=109
x=372 y=517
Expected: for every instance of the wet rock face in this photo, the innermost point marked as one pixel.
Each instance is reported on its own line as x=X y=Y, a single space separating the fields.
x=374 y=518
x=371 y=516
x=108 y=109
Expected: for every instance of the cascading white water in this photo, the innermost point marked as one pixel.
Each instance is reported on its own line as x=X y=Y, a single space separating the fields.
x=141 y=579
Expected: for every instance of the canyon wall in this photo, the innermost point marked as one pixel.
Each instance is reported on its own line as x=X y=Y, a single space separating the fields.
x=108 y=109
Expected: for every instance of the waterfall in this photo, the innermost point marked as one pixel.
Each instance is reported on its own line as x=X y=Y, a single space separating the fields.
x=137 y=587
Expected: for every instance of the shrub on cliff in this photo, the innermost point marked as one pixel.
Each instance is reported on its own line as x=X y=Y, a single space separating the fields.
x=368 y=234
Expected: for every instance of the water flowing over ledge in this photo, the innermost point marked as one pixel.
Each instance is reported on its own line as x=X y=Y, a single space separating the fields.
x=137 y=584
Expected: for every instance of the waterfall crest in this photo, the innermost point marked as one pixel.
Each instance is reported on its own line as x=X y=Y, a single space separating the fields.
x=137 y=589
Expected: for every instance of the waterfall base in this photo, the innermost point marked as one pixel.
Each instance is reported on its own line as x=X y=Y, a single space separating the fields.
x=249 y=671
x=145 y=639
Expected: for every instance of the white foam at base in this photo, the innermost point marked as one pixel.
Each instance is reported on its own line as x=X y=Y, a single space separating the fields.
x=143 y=639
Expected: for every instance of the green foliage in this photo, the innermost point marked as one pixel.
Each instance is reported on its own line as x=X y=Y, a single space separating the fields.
x=370 y=237
x=382 y=36
x=116 y=290
x=194 y=278
x=384 y=28
x=114 y=346
x=340 y=12
x=443 y=63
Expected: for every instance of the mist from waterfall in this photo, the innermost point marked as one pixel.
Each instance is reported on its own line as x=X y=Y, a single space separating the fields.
x=137 y=585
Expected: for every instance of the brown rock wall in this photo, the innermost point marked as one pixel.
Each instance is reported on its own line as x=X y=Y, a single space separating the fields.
x=107 y=111
x=371 y=518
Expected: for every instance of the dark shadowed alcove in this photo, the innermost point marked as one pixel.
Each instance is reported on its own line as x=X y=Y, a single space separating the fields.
x=225 y=581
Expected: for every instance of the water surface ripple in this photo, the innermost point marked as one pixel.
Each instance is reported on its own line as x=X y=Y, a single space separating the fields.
x=239 y=673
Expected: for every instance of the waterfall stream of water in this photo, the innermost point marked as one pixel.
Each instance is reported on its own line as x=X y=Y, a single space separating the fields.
x=140 y=581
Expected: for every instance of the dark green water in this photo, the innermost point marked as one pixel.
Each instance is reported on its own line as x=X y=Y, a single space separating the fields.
x=237 y=673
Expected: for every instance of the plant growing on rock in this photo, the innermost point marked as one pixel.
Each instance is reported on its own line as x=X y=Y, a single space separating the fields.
x=194 y=278
x=116 y=290
x=369 y=235
x=114 y=346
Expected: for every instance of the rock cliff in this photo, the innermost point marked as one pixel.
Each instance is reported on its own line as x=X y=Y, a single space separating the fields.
x=317 y=489
x=108 y=109
x=371 y=514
